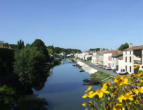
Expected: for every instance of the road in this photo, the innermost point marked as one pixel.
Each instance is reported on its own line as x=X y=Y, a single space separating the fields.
x=110 y=72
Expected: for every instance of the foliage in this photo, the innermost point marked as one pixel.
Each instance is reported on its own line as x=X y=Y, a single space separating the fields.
x=7 y=97
x=29 y=64
x=57 y=50
x=41 y=47
x=96 y=49
x=6 y=60
x=123 y=46
x=124 y=93
x=20 y=44
x=89 y=58
x=100 y=76
x=31 y=102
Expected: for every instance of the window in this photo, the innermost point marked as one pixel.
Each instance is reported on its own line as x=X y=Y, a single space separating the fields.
x=126 y=68
x=130 y=52
x=130 y=59
x=130 y=69
x=126 y=59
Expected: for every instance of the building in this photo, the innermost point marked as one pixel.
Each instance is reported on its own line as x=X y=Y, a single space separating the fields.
x=107 y=58
x=133 y=56
x=97 y=57
x=116 y=58
x=81 y=55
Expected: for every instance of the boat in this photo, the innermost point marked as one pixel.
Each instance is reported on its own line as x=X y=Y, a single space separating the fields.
x=90 y=81
x=81 y=70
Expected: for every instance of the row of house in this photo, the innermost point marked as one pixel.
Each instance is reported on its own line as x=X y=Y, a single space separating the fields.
x=122 y=61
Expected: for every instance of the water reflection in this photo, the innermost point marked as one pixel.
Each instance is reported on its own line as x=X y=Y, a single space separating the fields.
x=31 y=102
x=64 y=88
x=16 y=96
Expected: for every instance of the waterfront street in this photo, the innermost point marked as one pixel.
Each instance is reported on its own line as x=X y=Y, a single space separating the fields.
x=110 y=72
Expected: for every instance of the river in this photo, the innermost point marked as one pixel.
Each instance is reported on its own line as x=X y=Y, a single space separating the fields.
x=64 y=88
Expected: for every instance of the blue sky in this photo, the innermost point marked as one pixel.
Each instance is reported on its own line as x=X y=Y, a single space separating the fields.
x=79 y=24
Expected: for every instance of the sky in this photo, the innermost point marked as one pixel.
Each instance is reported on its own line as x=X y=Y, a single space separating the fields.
x=80 y=24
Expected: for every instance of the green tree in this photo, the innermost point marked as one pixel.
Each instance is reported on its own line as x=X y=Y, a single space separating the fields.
x=123 y=46
x=41 y=47
x=20 y=44
x=6 y=61
x=29 y=65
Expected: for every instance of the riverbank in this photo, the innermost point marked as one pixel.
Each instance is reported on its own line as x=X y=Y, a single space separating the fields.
x=85 y=67
x=95 y=74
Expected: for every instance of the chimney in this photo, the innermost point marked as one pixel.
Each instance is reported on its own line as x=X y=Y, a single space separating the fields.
x=130 y=45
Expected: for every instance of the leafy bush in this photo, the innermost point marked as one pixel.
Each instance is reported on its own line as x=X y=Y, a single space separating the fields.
x=29 y=64
x=6 y=60
x=124 y=93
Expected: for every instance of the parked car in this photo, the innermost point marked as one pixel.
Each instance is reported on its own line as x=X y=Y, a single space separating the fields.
x=99 y=66
x=123 y=73
x=115 y=70
x=104 y=66
x=96 y=64
x=108 y=68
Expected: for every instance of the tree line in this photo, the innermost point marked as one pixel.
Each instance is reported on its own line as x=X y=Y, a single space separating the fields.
x=22 y=68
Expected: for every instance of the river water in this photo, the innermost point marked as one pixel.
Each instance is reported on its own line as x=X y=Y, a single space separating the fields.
x=64 y=88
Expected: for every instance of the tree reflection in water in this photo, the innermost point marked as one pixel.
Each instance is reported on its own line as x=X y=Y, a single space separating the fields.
x=15 y=96
x=31 y=102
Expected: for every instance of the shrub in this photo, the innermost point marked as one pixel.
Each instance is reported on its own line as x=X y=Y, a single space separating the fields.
x=6 y=60
x=124 y=93
x=29 y=64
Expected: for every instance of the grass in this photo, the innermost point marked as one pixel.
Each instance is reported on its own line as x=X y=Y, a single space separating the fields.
x=100 y=76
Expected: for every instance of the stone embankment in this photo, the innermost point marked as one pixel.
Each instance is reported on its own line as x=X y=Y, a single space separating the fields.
x=86 y=67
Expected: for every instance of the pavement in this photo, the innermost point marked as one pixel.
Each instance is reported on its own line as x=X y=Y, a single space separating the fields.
x=110 y=72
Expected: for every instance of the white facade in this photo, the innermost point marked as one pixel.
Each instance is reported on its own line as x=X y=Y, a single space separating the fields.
x=114 y=63
x=97 y=58
x=121 y=66
x=94 y=58
x=81 y=55
x=132 y=58
x=107 y=60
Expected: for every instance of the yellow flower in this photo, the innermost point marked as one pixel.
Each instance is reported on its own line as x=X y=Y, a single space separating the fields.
x=99 y=93
x=127 y=96
x=137 y=67
x=141 y=81
x=139 y=90
x=90 y=102
x=124 y=82
x=121 y=80
x=121 y=98
x=88 y=89
x=87 y=95
x=86 y=109
x=118 y=107
x=137 y=102
x=84 y=104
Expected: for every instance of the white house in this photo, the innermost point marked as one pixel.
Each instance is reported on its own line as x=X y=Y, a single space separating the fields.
x=97 y=57
x=121 y=66
x=116 y=58
x=133 y=56
x=94 y=58
x=81 y=55
x=107 y=58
